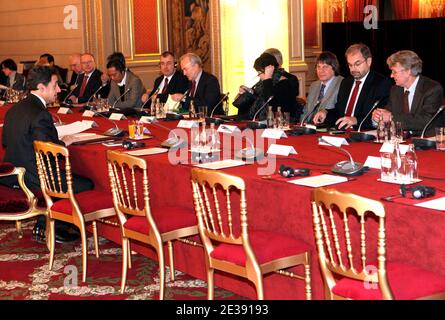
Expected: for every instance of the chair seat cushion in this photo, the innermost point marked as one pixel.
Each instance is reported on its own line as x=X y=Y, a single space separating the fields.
x=89 y=201
x=12 y=200
x=267 y=246
x=167 y=219
x=6 y=167
x=407 y=282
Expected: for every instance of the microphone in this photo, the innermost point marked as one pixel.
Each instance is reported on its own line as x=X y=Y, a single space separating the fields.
x=259 y=124
x=303 y=129
x=360 y=136
x=64 y=103
x=112 y=132
x=425 y=144
x=118 y=99
x=103 y=85
x=345 y=168
x=172 y=143
x=148 y=99
x=217 y=120
x=249 y=154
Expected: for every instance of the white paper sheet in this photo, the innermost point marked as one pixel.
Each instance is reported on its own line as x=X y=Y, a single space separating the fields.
x=224 y=164
x=319 y=181
x=73 y=128
x=436 y=204
x=147 y=152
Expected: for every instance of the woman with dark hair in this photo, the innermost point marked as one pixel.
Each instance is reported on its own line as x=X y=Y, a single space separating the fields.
x=272 y=84
x=14 y=79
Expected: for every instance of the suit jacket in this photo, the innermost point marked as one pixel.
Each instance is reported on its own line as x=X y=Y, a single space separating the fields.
x=19 y=83
x=178 y=84
x=375 y=88
x=133 y=98
x=93 y=84
x=427 y=100
x=329 y=99
x=26 y=122
x=207 y=93
x=295 y=84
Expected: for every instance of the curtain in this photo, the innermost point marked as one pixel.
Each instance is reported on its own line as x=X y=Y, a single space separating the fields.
x=402 y=9
x=355 y=9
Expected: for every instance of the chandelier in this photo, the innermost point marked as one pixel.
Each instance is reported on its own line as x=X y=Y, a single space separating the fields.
x=436 y=5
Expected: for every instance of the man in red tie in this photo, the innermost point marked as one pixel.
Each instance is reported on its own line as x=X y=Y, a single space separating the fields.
x=170 y=82
x=415 y=99
x=89 y=82
x=358 y=92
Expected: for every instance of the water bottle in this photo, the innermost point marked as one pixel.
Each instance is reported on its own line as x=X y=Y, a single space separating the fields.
x=226 y=107
x=278 y=119
x=397 y=169
x=192 y=110
x=270 y=117
x=381 y=130
x=411 y=171
x=214 y=143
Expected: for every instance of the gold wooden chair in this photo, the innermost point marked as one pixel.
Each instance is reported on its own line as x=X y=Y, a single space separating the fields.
x=130 y=188
x=231 y=246
x=353 y=261
x=17 y=205
x=63 y=204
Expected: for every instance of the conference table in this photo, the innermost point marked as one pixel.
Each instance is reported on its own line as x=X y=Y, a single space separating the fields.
x=414 y=234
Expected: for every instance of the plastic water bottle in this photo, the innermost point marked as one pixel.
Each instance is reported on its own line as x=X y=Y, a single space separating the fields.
x=410 y=162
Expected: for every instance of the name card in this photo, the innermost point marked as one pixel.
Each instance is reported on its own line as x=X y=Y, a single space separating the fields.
x=187 y=124
x=148 y=119
x=273 y=134
x=88 y=114
x=281 y=150
x=117 y=116
x=373 y=162
x=338 y=142
x=64 y=111
x=389 y=148
x=228 y=129
x=92 y=124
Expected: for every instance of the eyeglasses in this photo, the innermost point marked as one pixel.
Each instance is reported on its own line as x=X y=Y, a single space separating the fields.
x=260 y=73
x=394 y=72
x=356 y=64
x=87 y=62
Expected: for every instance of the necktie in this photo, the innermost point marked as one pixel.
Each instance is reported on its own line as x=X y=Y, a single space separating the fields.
x=321 y=94
x=351 y=104
x=164 y=90
x=406 y=102
x=84 y=85
x=193 y=89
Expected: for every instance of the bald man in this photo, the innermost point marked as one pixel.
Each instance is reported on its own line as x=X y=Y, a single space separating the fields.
x=76 y=68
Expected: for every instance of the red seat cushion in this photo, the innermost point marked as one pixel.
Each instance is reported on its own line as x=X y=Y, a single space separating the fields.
x=12 y=200
x=166 y=218
x=267 y=246
x=406 y=281
x=6 y=167
x=89 y=201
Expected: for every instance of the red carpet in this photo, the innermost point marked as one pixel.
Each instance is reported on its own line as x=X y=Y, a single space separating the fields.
x=24 y=273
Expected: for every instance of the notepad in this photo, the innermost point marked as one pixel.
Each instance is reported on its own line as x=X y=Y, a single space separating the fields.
x=319 y=181
x=436 y=204
x=224 y=164
x=147 y=152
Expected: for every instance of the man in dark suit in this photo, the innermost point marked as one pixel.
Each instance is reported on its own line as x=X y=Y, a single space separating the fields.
x=89 y=82
x=14 y=80
x=203 y=88
x=28 y=121
x=415 y=99
x=76 y=68
x=171 y=81
x=357 y=93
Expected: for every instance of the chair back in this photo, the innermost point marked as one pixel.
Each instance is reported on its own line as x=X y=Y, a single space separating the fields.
x=129 y=186
x=212 y=193
x=345 y=230
x=54 y=169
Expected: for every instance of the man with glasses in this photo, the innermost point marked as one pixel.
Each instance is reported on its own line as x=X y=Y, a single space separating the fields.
x=358 y=92
x=415 y=99
x=171 y=81
x=203 y=87
x=89 y=82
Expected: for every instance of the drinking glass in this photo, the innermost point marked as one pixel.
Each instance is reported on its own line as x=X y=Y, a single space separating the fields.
x=387 y=163
x=202 y=113
x=440 y=139
x=399 y=131
x=286 y=120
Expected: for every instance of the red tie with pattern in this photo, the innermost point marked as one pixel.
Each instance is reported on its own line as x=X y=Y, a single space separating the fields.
x=164 y=90
x=406 y=102
x=351 y=104
x=193 y=89
x=84 y=86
